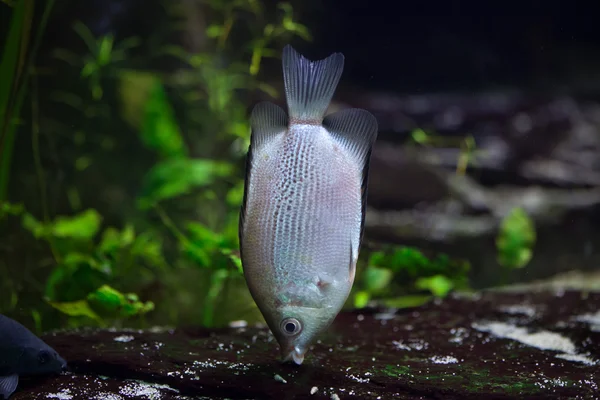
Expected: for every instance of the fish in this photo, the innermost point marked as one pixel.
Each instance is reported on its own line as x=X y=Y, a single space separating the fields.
x=22 y=353
x=302 y=216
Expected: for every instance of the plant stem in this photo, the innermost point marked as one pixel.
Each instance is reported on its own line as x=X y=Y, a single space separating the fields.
x=19 y=77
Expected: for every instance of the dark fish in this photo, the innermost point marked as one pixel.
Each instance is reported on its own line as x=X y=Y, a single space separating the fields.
x=22 y=353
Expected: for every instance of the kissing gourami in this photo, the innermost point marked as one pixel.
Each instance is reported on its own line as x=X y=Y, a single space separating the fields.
x=302 y=217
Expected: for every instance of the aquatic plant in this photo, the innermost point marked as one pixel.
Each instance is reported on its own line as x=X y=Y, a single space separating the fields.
x=180 y=230
x=141 y=225
x=15 y=69
x=402 y=276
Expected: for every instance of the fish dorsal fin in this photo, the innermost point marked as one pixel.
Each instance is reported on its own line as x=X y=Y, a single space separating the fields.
x=8 y=385
x=356 y=131
x=267 y=121
x=310 y=85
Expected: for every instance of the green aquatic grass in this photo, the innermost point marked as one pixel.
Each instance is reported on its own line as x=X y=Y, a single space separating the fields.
x=15 y=69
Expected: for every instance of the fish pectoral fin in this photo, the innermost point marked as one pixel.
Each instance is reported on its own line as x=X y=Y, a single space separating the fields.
x=355 y=130
x=8 y=384
x=267 y=121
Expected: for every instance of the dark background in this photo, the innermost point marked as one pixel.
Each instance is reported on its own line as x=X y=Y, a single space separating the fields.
x=407 y=46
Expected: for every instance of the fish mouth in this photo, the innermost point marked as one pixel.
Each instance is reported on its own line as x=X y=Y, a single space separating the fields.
x=296 y=355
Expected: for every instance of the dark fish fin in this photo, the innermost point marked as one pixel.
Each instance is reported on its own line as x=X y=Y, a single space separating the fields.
x=310 y=85
x=267 y=121
x=8 y=385
x=356 y=131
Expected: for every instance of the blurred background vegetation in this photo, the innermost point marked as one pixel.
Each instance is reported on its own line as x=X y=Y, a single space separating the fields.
x=122 y=165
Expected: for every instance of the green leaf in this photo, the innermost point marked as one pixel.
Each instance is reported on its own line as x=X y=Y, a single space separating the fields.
x=196 y=253
x=160 y=131
x=82 y=226
x=406 y=301
x=235 y=259
x=420 y=136
x=438 y=285
x=361 y=299
x=515 y=239
x=113 y=240
x=377 y=279
x=410 y=260
x=75 y=277
x=7 y=208
x=174 y=177
x=236 y=195
x=37 y=228
x=109 y=302
x=149 y=248
x=214 y=30
x=79 y=308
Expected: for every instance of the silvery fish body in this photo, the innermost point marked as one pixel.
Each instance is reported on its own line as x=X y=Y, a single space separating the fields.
x=302 y=218
x=23 y=353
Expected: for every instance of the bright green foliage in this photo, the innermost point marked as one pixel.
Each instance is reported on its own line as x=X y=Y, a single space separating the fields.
x=516 y=239
x=175 y=188
x=408 y=272
x=174 y=177
x=438 y=285
x=77 y=285
x=110 y=302
x=159 y=130
x=105 y=303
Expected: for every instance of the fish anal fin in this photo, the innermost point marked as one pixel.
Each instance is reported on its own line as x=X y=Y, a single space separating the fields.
x=8 y=384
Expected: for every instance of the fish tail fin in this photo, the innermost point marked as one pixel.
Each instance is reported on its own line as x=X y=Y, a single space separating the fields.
x=309 y=85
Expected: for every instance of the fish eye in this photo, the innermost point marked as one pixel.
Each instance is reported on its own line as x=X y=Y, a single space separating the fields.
x=43 y=357
x=291 y=326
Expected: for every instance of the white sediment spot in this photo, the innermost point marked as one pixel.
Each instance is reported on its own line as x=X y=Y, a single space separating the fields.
x=592 y=319
x=443 y=360
x=238 y=324
x=518 y=309
x=410 y=345
x=64 y=394
x=543 y=340
x=124 y=338
x=107 y=396
x=359 y=379
x=314 y=390
x=144 y=389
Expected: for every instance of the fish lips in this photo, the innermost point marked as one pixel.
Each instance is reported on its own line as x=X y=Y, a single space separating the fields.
x=295 y=354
